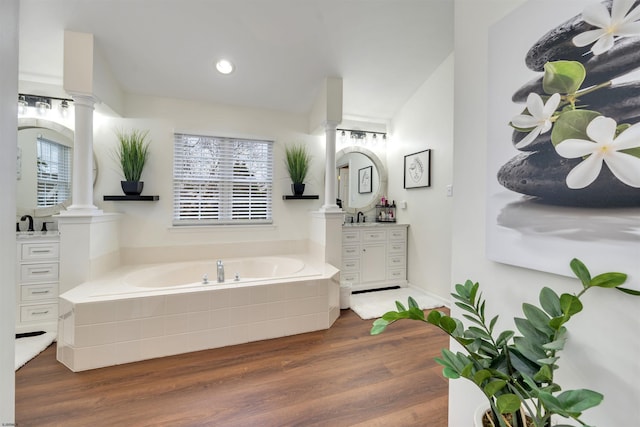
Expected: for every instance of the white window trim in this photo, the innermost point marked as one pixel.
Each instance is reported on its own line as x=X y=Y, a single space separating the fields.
x=223 y=185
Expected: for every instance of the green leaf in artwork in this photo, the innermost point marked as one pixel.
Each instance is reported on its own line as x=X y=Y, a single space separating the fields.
x=564 y=77
x=633 y=151
x=572 y=124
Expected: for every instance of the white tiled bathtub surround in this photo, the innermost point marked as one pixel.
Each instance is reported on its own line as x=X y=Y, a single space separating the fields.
x=108 y=322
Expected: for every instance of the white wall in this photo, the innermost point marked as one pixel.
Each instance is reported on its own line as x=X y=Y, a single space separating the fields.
x=426 y=121
x=148 y=224
x=602 y=350
x=8 y=138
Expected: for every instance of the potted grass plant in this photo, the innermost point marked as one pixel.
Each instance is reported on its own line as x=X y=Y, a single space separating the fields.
x=297 y=160
x=132 y=154
x=514 y=371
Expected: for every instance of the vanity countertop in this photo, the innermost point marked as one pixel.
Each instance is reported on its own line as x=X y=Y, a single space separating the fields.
x=372 y=224
x=22 y=235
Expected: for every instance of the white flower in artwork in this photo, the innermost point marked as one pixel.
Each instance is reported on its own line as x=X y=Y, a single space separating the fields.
x=603 y=147
x=622 y=22
x=539 y=119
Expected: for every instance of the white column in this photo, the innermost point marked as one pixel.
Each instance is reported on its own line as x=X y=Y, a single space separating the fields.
x=82 y=179
x=330 y=178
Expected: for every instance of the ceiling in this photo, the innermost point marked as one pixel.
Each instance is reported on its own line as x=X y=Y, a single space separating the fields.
x=282 y=49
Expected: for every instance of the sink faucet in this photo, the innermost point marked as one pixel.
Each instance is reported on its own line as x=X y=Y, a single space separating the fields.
x=30 y=218
x=360 y=213
x=220 y=271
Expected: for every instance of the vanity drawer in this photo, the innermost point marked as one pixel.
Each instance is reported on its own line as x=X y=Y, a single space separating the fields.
x=398 y=234
x=374 y=236
x=351 y=264
x=351 y=236
x=349 y=277
x=29 y=293
x=39 y=312
x=397 y=247
x=39 y=251
x=397 y=274
x=350 y=251
x=42 y=272
x=396 y=261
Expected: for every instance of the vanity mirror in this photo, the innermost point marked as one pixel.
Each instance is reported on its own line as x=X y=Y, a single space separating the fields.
x=362 y=179
x=44 y=166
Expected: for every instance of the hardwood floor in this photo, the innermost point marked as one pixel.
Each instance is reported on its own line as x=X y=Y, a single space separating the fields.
x=338 y=377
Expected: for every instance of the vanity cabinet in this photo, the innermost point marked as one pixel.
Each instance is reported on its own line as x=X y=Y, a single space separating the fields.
x=37 y=283
x=374 y=257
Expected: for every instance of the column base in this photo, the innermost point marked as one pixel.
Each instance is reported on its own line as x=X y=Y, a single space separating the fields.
x=330 y=208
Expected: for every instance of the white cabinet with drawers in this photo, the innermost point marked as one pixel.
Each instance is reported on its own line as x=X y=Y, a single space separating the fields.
x=37 y=282
x=374 y=256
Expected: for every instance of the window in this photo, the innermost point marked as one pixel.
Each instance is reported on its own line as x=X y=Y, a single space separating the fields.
x=54 y=172
x=221 y=180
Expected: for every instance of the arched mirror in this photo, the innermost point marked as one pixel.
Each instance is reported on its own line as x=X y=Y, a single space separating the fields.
x=45 y=159
x=362 y=180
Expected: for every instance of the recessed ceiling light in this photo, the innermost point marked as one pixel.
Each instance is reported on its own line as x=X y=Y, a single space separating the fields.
x=224 y=66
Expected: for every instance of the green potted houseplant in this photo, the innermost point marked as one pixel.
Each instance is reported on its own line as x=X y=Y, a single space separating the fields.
x=515 y=372
x=132 y=154
x=297 y=160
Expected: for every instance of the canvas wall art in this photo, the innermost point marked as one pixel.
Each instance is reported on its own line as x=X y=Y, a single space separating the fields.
x=564 y=136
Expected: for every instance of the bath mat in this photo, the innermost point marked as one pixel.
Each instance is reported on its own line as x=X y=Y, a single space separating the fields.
x=371 y=305
x=29 y=347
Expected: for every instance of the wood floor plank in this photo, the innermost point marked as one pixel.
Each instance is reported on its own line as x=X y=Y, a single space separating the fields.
x=338 y=377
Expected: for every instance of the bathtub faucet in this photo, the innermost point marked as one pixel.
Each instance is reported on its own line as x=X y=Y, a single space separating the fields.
x=220 y=271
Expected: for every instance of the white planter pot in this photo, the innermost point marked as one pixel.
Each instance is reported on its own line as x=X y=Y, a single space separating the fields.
x=479 y=412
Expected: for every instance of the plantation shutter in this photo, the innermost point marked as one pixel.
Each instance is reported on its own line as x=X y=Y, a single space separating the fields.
x=53 y=172
x=222 y=180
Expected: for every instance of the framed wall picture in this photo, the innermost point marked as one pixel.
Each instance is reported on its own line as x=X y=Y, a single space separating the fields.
x=417 y=169
x=364 y=179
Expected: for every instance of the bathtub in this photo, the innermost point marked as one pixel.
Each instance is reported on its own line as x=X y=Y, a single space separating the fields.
x=148 y=311
x=196 y=273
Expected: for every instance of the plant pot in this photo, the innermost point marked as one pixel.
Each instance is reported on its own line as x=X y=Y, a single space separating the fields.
x=297 y=189
x=479 y=414
x=132 y=188
x=484 y=408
